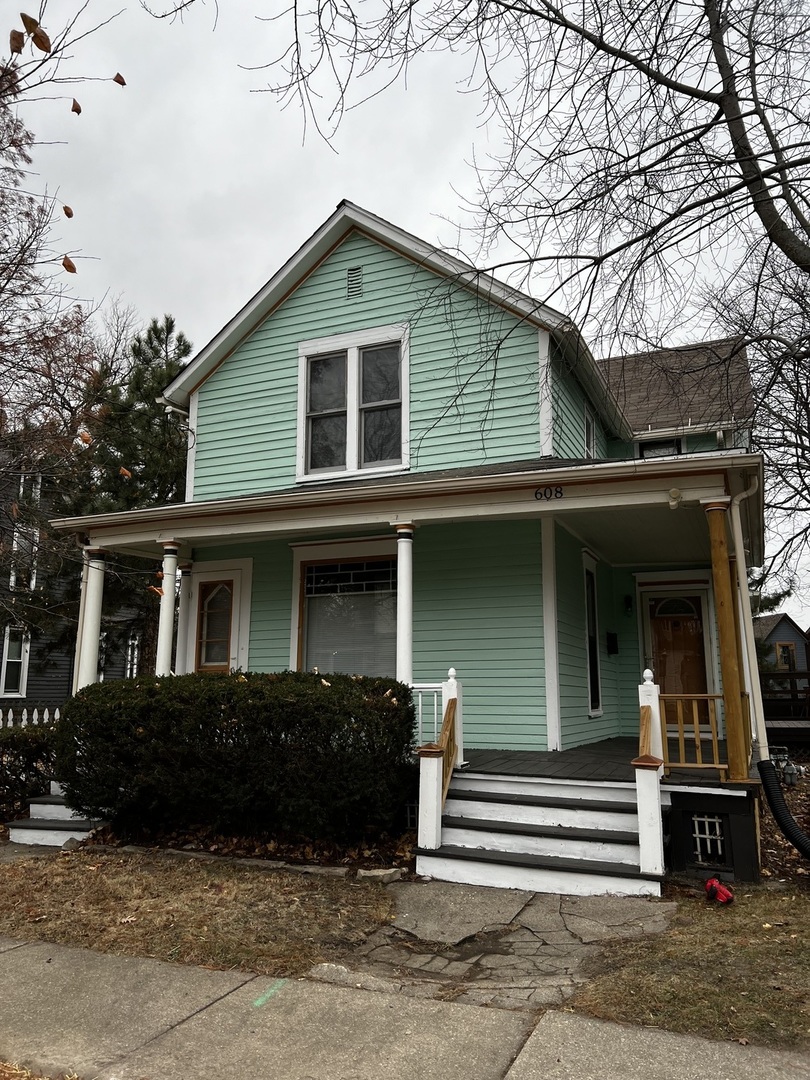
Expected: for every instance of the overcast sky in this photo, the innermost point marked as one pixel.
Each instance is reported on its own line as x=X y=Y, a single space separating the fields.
x=190 y=189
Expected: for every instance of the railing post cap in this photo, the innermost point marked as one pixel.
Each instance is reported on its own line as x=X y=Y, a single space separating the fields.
x=451 y=673
x=647 y=675
x=430 y=750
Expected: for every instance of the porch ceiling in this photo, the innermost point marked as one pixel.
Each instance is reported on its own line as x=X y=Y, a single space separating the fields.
x=643 y=535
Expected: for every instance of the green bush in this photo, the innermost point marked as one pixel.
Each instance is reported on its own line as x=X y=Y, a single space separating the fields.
x=26 y=766
x=253 y=754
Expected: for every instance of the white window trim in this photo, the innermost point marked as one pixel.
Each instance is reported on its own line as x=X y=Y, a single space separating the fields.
x=331 y=552
x=26 y=647
x=589 y=564
x=240 y=571
x=589 y=419
x=350 y=343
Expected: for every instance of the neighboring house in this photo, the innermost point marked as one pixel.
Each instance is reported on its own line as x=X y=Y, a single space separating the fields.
x=36 y=672
x=782 y=643
x=783 y=662
x=397 y=466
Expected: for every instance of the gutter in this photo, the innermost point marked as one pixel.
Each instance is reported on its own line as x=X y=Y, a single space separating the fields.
x=759 y=733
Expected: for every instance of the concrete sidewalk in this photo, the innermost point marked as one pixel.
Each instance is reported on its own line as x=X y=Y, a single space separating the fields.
x=119 y=1018
x=407 y=1005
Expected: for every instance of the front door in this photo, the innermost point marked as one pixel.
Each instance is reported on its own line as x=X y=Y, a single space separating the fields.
x=677 y=645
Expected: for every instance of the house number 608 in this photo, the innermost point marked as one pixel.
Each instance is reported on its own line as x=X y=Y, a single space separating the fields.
x=546 y=494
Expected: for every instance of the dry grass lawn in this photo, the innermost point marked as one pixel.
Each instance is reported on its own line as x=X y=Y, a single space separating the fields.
x=17 y=1072
x=195 y=912
x=740 y=972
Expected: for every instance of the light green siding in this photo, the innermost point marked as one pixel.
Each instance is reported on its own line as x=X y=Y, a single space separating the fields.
x=473 y=374
x=569 y=405
x=478 y=607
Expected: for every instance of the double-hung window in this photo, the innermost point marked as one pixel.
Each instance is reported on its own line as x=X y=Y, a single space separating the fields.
x=353 y=403
x=14 y=662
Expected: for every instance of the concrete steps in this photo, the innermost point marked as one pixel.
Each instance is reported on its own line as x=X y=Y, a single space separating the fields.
x=542 y=836
x=50 y=823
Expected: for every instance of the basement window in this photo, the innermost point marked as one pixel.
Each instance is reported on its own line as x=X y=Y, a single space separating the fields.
x=708 y=839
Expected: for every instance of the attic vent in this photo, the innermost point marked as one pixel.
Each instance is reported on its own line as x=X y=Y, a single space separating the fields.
x=354 y=281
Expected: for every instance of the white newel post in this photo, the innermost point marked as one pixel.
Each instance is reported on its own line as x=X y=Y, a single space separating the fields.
x=405 y=603
x=648 y=693
x=649 y=769
x=451 y=688
x=163 y=660
x=429 y=832
x=183 y=621
x=90 y=624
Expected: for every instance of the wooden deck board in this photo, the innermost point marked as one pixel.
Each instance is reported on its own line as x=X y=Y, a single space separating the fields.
x=608 y=760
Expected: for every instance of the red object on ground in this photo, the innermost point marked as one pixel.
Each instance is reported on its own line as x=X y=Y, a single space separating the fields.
x=716 y=890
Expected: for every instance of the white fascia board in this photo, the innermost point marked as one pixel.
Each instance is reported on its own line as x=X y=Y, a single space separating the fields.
x=598 y=485
x=346 y=218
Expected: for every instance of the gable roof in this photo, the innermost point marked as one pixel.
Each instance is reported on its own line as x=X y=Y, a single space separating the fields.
x=705 y=386
x=348 y=218
x=764 y=625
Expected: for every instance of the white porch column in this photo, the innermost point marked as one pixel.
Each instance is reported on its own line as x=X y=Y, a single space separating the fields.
x=163 y=661
x=183 y=621
x=405 y=603
x=90 y=619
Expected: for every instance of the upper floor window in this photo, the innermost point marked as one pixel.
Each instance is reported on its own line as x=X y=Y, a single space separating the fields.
x=353 y=403
x=660 y=448
x=25 y=536
x=785 y=655
x=590 y=434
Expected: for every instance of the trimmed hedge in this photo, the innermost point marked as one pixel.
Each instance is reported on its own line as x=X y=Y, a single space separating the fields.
x=245 y=754
x=26 y=766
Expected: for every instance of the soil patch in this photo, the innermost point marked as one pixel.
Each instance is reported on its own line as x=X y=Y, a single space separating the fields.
x=196 y=912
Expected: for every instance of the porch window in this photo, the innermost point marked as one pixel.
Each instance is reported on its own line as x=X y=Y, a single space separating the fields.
x=14 y=669
x=214 y=626
x=350 y=617
x=592 y=637
x=353 y=409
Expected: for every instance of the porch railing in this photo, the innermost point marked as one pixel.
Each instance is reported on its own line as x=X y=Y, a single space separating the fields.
x=689 y=729
x=11 y=717
x=427 y=703
x=437 y=760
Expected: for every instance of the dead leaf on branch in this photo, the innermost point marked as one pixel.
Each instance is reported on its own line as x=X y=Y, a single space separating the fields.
x=85 y=436
x=69 y=264
x=41 y=40
x=127 y=475
x=68 y=211
x=119 y=78
x=29 y=23
x=16 y=40
x=76 y=107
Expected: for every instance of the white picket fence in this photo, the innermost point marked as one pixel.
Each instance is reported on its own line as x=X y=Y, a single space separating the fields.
x=28 y=718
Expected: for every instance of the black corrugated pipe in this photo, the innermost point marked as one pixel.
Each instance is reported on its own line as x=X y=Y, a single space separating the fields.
x=779 y=808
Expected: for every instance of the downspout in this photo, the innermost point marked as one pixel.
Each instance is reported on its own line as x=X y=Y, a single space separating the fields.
x=760 y=735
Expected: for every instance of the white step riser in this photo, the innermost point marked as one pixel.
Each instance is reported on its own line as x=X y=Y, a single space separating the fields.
x=552 y=789
x=585 y=818
x=468 y=872
x=44 y=837
x=53 y=812
x=542 y=845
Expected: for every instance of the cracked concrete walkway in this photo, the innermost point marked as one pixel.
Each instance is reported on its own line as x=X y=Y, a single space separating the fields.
x=494 y=947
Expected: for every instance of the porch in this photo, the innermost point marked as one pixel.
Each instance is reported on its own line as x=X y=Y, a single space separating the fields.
x=607 y=761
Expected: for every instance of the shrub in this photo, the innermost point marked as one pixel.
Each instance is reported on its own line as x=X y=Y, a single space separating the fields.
x=26 y=766
x=251 y=753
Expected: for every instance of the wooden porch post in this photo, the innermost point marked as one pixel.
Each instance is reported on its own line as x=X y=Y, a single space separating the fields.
x=725 y=600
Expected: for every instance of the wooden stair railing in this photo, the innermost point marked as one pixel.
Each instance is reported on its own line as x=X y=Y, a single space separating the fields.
x=449 y=747
x=695 y=737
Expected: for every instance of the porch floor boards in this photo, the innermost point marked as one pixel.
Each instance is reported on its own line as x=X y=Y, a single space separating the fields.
x=607 y=761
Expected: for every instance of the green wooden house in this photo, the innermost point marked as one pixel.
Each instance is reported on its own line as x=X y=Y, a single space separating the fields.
x=400 y=466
